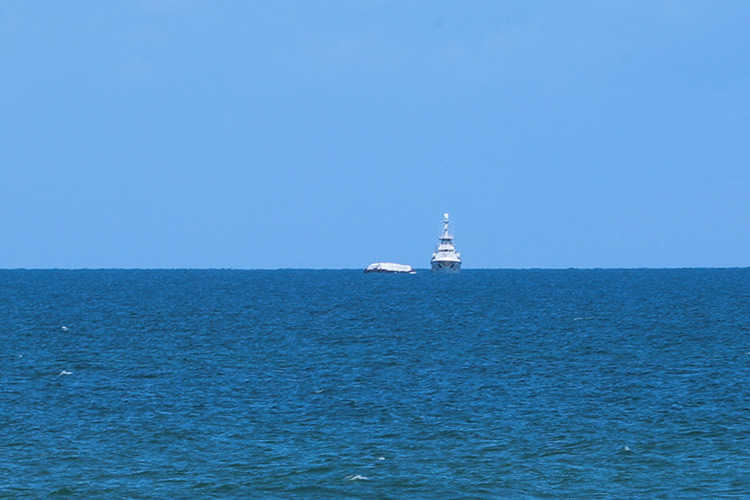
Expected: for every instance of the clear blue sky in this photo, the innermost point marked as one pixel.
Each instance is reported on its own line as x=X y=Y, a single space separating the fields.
x=332 y=134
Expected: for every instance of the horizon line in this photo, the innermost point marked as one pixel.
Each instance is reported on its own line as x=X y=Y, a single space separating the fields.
x=358 y=269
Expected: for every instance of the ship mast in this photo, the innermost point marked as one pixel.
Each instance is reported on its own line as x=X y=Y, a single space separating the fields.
x=446 y=237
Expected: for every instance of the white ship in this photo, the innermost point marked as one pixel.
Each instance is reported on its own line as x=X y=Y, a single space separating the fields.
x=389 y=267
x=445 y=259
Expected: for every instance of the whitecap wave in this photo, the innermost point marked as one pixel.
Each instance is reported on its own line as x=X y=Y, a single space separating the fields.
x=357 y=477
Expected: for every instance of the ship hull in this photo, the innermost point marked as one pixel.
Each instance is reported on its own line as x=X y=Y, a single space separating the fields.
x=445 y=267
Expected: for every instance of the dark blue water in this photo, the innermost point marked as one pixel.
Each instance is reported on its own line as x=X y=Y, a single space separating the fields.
x=335 y=384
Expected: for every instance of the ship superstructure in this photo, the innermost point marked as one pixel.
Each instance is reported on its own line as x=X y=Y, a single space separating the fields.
x=445 y=259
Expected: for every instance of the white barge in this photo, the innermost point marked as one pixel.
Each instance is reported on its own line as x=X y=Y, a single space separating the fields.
x=389 y=267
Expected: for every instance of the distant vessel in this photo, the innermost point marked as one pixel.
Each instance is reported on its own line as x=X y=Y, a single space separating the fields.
x=445 y=259
x=389 y=267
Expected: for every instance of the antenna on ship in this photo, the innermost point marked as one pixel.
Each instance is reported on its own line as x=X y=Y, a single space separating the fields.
x=446 y=220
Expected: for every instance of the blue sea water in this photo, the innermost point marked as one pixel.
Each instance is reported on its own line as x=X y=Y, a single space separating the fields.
x=518 y=384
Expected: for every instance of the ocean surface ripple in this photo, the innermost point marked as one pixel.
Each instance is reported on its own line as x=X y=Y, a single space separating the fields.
x=519 y=384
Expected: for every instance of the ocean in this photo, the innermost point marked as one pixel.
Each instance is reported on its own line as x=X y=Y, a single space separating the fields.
x=490 y=384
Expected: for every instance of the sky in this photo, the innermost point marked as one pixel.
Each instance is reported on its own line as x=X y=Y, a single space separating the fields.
x=333 y=134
